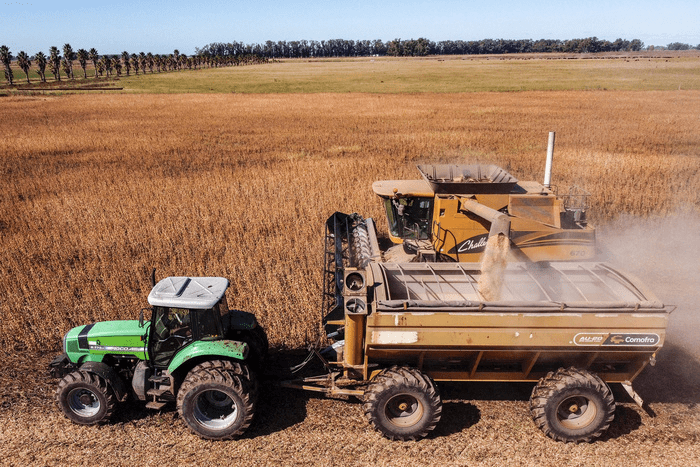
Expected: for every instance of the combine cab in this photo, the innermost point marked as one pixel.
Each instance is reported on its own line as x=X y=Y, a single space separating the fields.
x=450 y=214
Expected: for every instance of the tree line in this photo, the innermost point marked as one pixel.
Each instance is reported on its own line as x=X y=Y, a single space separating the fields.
x=113 y=65
x=417 y=47
x=234 y=53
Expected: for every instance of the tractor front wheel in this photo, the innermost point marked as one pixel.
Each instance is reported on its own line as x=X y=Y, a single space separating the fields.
x=403 y=403
x=85 y=398
x=215 y=404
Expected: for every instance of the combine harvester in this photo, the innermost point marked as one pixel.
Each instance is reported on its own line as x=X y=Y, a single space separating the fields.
x=454 y=209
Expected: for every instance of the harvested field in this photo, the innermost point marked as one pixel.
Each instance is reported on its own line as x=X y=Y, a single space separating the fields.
x=99 y=189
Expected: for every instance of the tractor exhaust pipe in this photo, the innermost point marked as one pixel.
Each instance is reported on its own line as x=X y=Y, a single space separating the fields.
x=550 y=156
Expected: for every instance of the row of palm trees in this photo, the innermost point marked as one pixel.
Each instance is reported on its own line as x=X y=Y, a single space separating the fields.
x=109 y=65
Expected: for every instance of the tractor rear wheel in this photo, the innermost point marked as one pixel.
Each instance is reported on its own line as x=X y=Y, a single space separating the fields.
x=572 y=405
x=235 y=368
x=403 y=403
x=258 y=345
x=215 y=404
x=85 y=398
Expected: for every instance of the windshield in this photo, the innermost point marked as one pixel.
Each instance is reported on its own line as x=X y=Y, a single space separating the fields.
x=409 y=217
x=172 y=330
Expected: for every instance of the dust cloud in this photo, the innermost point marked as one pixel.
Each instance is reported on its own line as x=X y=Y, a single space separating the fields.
x=664 y=252
x=493 y=264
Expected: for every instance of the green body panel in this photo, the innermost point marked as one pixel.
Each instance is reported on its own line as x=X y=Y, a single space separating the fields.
x=223 y=348
x=93 y=342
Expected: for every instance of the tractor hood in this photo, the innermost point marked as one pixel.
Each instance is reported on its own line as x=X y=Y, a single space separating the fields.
x=93 y=341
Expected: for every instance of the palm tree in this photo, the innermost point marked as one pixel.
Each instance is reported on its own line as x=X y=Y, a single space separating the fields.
x=55 y=63
x=6 y=58
x=40 y=60
x=69 y=56
x=142 y=62
x=150 y=61
x=135 y=63
x=116 y=61
x=94 y=57
x=24 y=63
x=125 y=59
x=107 y=64
x=176 y=57
x=83 y=57
x=66 y=65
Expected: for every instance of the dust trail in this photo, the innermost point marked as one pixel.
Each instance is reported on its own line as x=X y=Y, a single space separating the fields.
x=493 y=264
x=664 y=252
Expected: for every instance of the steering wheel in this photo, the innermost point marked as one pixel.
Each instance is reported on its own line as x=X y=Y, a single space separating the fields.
x=175 y=338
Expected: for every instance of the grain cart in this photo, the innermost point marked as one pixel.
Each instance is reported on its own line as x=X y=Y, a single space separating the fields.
x=194 y=351
x=454 y=209
x=396 y=328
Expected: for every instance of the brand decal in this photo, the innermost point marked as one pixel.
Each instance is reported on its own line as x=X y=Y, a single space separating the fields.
x=588 y=338
x=632 y=339
x=616 y=339
x=114 y=348
x=475 y=244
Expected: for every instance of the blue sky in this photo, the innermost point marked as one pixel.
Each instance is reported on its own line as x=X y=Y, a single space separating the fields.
x=162 y=26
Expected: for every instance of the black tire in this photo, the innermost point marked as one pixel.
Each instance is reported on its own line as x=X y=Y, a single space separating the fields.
x=402 y=403
x=572 y=405
x=258 y=345
x=85 y=398
x=215 y=404
x=235 y=368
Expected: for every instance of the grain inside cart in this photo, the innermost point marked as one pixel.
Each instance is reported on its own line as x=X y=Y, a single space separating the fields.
x=396 y=328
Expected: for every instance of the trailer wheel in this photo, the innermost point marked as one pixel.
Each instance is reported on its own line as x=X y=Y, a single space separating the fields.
x=215 y=404
x=572 y=405
x=85 y=398
x=403 y=403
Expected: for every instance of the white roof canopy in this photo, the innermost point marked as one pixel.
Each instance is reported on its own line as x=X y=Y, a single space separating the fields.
x=188 y=292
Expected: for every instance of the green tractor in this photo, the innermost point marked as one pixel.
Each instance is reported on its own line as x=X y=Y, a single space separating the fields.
x=194 y=351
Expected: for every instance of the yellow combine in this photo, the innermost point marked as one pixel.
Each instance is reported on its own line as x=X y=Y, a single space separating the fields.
x=450 y=214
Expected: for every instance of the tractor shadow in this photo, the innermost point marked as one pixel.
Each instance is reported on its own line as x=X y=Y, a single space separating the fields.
x=279 y=408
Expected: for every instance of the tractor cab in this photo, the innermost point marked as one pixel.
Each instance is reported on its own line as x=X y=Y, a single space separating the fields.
x=185 y=310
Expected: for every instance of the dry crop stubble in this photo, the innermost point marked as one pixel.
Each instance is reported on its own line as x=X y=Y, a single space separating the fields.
x=99 y=189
